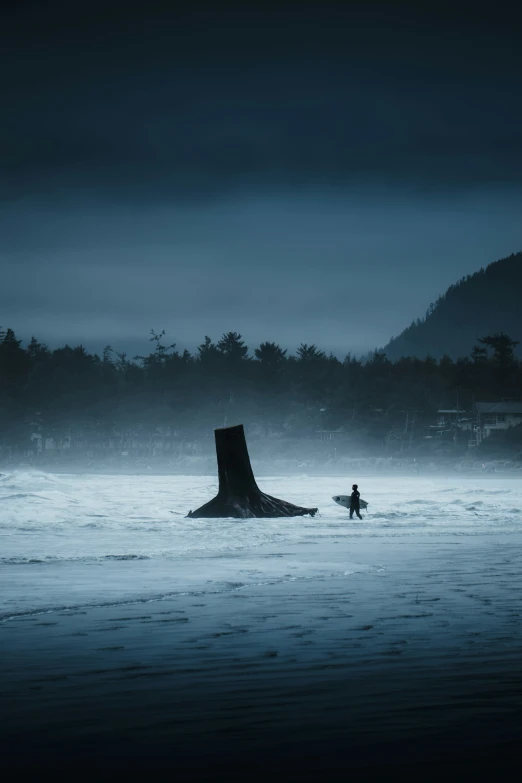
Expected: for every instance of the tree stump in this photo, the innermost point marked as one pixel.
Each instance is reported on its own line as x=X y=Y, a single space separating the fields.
x=238 y=495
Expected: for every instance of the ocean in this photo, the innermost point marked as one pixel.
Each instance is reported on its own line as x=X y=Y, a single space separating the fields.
x=133 y=635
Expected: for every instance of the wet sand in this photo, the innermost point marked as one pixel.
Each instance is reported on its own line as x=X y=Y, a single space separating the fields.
x=412 y=667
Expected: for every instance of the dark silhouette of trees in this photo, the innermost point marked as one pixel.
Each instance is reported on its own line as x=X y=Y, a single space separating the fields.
x=486 y=302
x=270 y=355
x=503 y=349
x=233 y=347
x=208 y=352
x=95 y=403
x=309 y=353
x=90 y=402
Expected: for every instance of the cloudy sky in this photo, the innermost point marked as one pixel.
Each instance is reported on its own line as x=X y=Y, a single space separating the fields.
x=314 y=172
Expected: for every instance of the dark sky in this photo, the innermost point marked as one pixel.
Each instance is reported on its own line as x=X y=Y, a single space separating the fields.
x=310 y=172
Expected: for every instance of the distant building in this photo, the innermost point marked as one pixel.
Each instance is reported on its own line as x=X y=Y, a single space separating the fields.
x=495 y=416
x=449 y=422
x=330 y=434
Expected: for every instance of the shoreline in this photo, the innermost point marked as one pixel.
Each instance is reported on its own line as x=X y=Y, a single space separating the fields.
x=404 y=663
x=134 y=698
x=264 y=470
x=134 y=639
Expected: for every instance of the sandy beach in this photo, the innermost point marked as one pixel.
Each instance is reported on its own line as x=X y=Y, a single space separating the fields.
x=293 y=649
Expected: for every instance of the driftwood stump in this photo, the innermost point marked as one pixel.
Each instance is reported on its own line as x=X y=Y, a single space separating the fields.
x=238 y=495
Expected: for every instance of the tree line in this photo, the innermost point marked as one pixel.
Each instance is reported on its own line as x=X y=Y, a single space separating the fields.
x=69 y=391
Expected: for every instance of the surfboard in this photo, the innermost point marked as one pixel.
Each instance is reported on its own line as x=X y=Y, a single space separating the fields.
x=344 y=501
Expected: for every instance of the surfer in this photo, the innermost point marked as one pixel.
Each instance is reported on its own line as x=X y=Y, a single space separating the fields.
x=354 y=502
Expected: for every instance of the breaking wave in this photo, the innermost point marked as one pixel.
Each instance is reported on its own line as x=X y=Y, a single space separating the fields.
x=73 y=540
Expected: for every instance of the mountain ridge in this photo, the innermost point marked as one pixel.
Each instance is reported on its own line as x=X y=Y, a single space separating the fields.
x=479 y=304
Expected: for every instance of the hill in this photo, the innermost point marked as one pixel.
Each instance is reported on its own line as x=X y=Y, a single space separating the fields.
x=486 y=302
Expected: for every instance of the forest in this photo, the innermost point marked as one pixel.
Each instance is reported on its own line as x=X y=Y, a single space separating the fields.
x=485 y=302
x=107 y=404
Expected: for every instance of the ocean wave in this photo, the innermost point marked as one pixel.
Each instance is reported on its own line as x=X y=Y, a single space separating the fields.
x=218 y=588
x=487 y=491
x=22 y=496
x=6 y=615
x=421 y=503
x=89 y=535
x=53 y=560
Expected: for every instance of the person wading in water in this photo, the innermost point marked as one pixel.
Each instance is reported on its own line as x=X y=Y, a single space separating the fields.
x=354 y=502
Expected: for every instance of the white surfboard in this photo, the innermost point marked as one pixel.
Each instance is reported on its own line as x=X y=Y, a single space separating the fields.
x=344 y=501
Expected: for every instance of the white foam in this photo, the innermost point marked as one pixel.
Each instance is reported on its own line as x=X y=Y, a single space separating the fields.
x=71 y=540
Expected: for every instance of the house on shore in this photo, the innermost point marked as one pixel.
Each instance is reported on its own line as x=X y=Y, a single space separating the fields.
x=451 y=422
x=494 y=416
